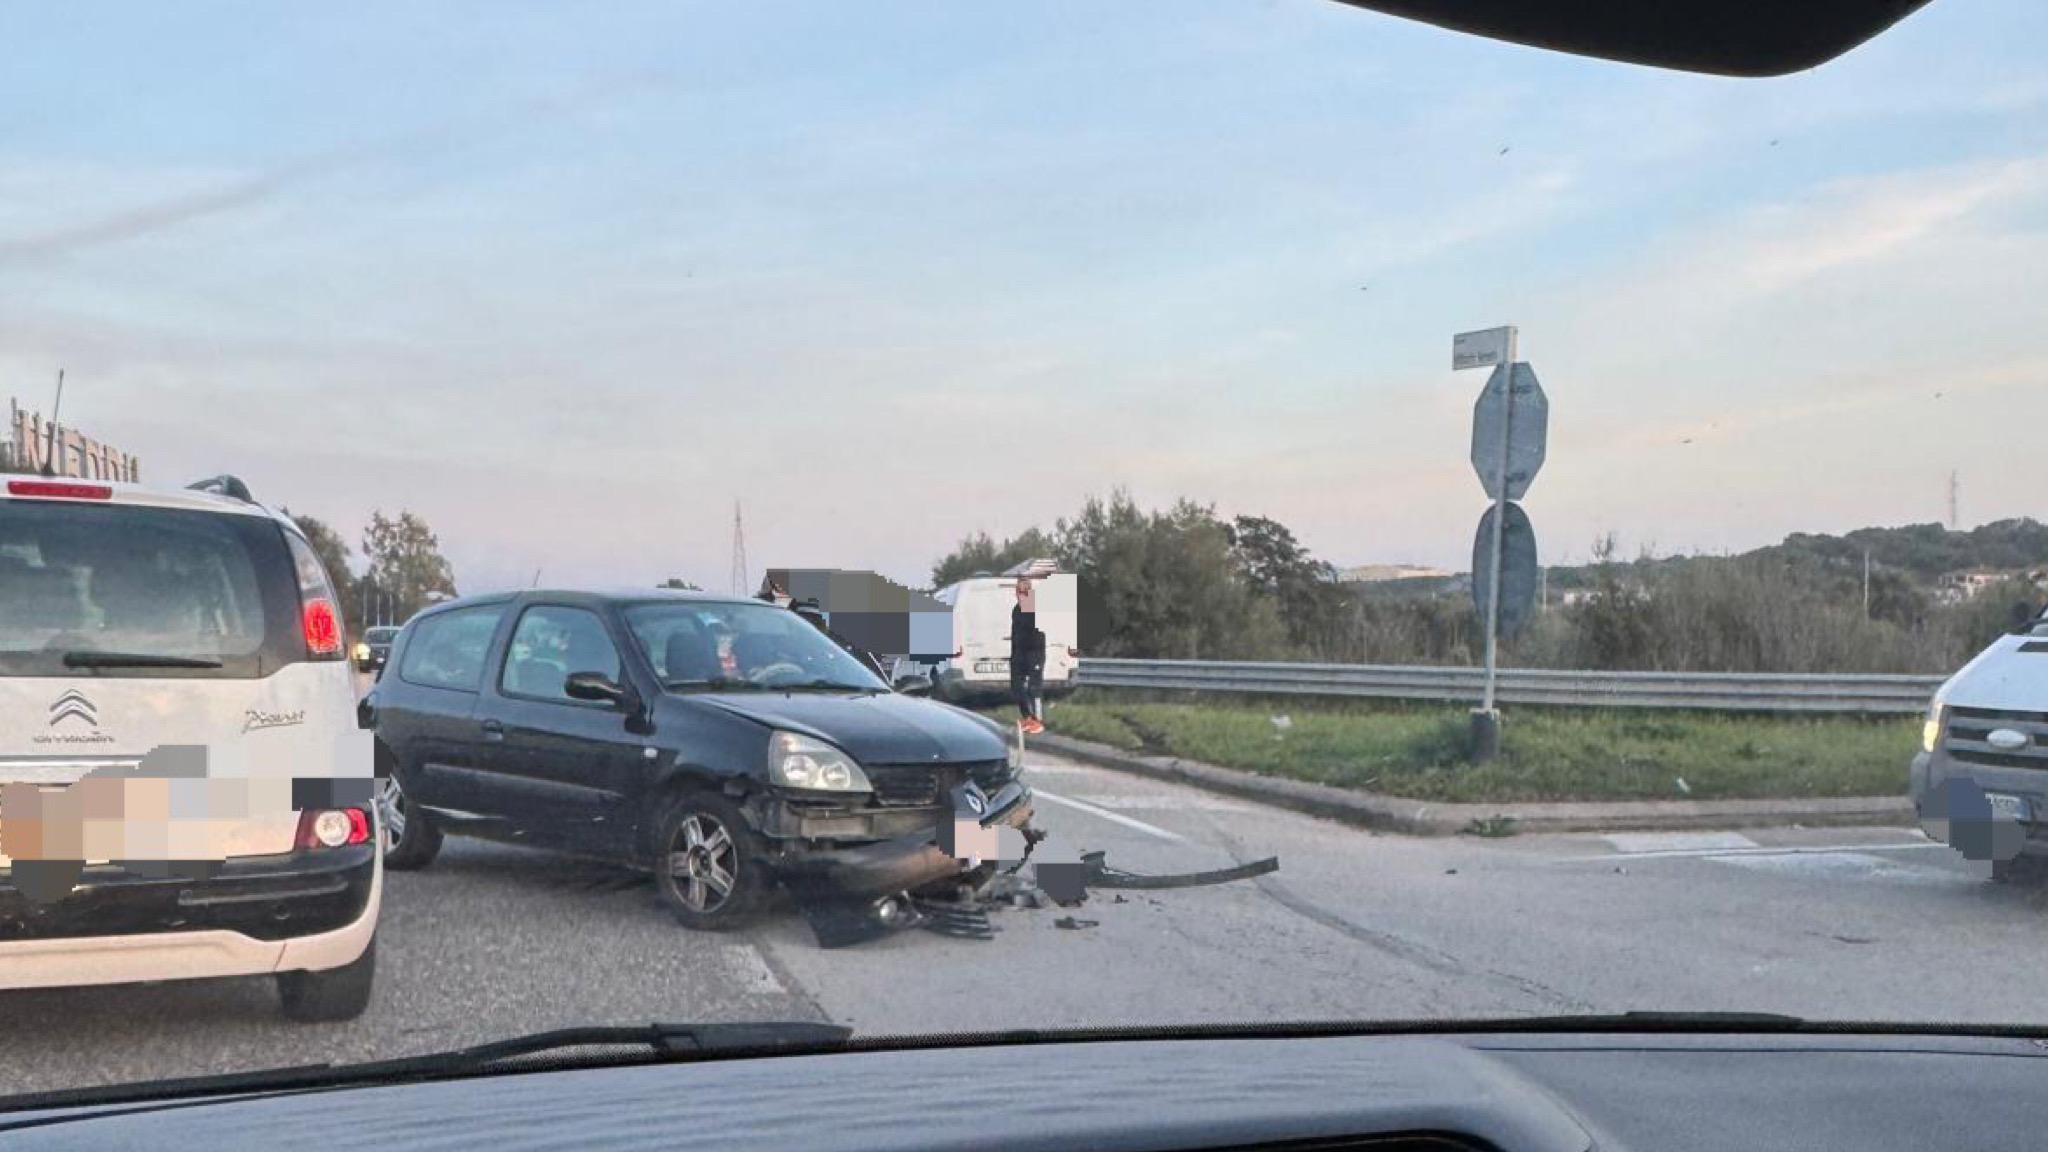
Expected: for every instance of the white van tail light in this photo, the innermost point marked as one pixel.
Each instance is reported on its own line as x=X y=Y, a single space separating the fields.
x=323 y=629
x=333 y=827
x=319 y=619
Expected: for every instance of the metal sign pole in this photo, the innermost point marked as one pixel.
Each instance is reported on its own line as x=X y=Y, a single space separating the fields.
x=1500 y=521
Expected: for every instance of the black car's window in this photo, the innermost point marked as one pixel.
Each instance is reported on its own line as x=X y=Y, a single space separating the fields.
x=380 y=635
x=447 y=650
x=741 y=644
x=549 y=644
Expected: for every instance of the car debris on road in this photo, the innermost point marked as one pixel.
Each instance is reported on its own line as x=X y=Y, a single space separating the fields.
x=1026 y=885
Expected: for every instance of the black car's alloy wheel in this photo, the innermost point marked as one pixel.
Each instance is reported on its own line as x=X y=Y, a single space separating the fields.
x=708 y=864
x=413 y=840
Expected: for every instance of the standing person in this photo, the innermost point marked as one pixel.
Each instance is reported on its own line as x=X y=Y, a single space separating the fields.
x=1027 y=658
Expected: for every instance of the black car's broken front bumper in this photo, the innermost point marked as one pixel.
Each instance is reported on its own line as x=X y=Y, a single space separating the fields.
x=901 y=862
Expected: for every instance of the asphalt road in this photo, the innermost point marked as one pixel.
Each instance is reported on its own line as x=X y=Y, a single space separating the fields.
x=493 y=941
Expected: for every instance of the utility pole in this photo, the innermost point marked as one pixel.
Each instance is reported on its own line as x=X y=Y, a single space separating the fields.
x=50 y=451
x=739 y=553
x=1954 y=483
x=1866 y=583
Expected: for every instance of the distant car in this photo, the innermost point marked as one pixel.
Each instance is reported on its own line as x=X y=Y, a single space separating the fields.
x=374 y=648
x=137 y=625
x=723 y=744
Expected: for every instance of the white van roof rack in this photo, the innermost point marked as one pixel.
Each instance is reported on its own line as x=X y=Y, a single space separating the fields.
x=224 y=485
x=1036 y=568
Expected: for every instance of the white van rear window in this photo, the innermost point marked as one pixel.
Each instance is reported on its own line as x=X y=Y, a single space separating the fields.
x=123 y=579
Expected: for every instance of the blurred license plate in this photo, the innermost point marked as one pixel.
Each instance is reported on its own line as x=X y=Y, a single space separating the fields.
x=2014 y=807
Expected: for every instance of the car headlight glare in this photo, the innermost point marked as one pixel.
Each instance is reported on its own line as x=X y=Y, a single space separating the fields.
x=799 y=761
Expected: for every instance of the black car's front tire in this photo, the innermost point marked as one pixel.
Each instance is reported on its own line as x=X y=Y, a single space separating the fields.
x=414 y=840
x=336 y=994
x=709 y=866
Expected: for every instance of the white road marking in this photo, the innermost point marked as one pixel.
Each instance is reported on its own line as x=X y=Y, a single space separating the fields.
x=1635 y=843
x=1849 y=866
x=1112 y=817
x=753 y=969
x=1779 y=850
x=1126 y=803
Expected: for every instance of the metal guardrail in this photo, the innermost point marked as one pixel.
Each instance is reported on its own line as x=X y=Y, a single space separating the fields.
x=1705 y=691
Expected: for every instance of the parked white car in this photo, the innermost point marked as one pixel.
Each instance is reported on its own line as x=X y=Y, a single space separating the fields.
x=176 y=657
x=1980 y=779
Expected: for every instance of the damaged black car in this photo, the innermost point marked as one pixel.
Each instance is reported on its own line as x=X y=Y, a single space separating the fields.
x=725 y=745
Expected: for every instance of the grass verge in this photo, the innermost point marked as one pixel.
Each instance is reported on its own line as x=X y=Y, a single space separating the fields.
x=1420 y=752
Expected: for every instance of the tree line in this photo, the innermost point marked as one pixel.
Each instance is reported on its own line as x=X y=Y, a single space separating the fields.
x=1186 y=583
x=403 y=569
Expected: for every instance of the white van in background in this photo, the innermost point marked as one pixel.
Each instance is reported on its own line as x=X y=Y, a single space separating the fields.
x=979 y=669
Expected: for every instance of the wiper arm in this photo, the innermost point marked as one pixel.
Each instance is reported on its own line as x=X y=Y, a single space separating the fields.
x=718 y=683
x=661 y=1041
x=86 y=659
x=828 y=686
x=648 y=1043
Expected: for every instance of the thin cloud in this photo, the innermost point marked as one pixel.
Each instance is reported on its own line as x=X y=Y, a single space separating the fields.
x=237 y=195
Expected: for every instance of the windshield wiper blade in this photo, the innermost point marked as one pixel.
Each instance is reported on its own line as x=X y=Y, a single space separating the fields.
x=646 y=1043
x=827 y=686
x=666 y=1041
x=88 y=659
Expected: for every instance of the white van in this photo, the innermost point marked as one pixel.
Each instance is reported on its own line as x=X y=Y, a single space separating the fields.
x=1980 y=779
x=979 y=668
x=176 y=657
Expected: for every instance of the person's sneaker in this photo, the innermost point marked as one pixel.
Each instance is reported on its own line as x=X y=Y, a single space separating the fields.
x=1033 y=727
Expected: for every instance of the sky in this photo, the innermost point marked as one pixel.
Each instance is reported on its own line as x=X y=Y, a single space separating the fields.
x=570 y=279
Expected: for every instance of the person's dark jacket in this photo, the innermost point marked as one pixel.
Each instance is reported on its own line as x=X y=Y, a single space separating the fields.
x=1027 y=643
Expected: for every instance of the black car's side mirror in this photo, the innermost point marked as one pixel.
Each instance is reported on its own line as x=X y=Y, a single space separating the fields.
x=594 y=686
x=914 y=684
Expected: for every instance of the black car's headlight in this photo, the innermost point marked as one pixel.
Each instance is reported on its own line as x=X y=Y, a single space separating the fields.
x=799 y=761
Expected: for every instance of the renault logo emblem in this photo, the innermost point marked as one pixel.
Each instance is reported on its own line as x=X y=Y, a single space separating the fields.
x=73 y=705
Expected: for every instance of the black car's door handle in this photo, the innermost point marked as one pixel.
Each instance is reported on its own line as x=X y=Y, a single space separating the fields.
x=493 y=730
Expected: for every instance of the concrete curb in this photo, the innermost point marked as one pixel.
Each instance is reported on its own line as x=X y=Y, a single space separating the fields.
x=1425 y=818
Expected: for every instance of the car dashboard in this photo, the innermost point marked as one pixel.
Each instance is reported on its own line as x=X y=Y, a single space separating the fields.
x=1506 y=1092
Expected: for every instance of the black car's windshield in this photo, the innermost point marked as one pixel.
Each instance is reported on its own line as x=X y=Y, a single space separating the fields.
x=735 y=645
x=380 y=635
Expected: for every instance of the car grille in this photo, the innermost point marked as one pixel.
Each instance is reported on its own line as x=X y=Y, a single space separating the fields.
x=923 y=785
x=1968 y=728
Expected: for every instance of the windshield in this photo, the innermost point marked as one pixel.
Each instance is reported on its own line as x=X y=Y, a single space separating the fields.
x=1385 y=523
x=715 y=645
